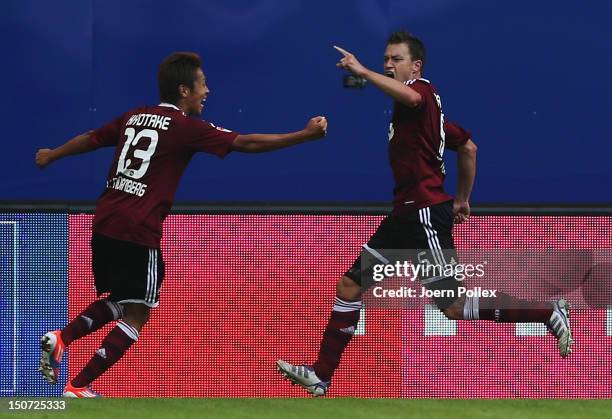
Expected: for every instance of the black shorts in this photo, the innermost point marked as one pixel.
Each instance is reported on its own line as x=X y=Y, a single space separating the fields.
x=131 y=273
x=425 y=234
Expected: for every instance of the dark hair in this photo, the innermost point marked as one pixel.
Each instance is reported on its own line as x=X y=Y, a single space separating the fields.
x=415 y=46
x=176 y=69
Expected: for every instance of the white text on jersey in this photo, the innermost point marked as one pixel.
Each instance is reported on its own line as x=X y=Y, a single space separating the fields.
x=149 y=120
x=127 y=185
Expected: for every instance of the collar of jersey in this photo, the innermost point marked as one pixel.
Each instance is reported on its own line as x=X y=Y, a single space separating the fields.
x=413 y=80
x=170 y=105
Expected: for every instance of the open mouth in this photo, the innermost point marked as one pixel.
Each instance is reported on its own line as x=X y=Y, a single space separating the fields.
x=390 y=74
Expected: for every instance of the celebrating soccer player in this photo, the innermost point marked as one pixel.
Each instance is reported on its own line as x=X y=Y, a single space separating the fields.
x=423 y=214
x=153 y=145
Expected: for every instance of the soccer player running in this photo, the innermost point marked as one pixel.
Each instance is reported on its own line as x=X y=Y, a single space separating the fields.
x=423 y=214
x=153 y=145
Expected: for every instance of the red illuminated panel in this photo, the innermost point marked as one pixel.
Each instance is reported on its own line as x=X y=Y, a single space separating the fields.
x=488 y=360
x=242 y=291
x=484 y=359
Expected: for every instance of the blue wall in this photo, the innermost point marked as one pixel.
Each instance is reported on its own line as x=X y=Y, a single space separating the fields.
x=530 y=79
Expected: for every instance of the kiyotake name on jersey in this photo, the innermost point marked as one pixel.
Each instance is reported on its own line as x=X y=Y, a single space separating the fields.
x=150 y=120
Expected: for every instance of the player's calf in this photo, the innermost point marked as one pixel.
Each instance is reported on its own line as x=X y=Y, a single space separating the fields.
x=111 y=350
x=456 y=310
x=448 y=302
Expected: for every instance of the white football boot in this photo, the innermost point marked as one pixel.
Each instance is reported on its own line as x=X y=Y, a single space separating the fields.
x=559 y=326
x=52 y=348
x=303 y=375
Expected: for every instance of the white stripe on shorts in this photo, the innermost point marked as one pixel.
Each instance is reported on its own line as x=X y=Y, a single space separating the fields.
x=155 y=270
x=432 y=237
x=435 y=236
x=152 y=277
x=149 y=276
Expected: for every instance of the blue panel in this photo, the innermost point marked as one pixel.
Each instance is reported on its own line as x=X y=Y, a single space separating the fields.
x=529 y=79
x=46 y=97
x=33 y=297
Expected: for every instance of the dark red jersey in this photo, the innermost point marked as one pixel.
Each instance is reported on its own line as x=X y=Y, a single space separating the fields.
x=154 y=145
x=417 y=139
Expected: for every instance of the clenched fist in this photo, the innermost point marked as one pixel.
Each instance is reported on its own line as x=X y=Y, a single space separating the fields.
x=43 y=157
x=316 y=127
x=461 y=211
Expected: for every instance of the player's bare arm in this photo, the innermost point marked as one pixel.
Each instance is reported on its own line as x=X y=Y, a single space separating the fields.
x=466 y=172
x=77 y=145
x=390 y=86
x=260 y=143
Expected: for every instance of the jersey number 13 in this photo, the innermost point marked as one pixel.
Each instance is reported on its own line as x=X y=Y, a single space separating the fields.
x=143 y=155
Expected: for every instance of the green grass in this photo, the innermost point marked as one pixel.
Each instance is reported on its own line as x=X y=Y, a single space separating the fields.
x=339 y=408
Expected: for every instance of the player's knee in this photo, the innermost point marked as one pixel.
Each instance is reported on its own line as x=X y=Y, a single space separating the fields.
x=454 y=311
x=347 y=289
x=137 y=321
x=452 y=314
x=136 y=315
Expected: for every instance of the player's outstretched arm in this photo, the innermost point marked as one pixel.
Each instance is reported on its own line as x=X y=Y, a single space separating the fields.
x=260 y=143
x=77 y=145
x=466 y=172
x=394 y=88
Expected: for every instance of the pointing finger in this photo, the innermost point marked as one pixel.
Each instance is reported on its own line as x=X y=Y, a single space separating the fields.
x=342 y=51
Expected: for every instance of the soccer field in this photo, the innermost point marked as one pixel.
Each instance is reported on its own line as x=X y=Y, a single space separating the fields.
x=338 y=408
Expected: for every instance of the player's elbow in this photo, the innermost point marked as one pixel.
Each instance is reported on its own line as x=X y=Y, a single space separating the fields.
x=469 y=148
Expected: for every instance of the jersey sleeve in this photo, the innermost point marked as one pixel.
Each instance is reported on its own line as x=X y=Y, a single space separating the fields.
x=209 y=138
x=108 y=135
x=455 y=136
